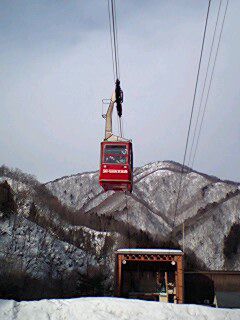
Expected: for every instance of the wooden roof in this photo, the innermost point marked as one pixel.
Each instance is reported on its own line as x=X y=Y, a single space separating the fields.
x=149 y=251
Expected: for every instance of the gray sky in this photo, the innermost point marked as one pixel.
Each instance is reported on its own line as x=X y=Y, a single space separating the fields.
x=56 y=66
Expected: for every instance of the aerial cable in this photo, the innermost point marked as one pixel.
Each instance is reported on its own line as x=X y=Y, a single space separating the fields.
x=115 y=59
x=128 y=232
x=111 y=39
x=114 y=34
x=210 y=83
x=191 y=114
x=204 y=85
x=112 y=17
x=115 y=17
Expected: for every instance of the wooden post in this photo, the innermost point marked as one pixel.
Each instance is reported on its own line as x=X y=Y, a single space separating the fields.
x=180 y=284
x=119 y=279
x=166 y=284
x=183 y=236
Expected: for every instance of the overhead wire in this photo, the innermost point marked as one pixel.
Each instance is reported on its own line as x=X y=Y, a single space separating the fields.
x=114 y=33
x=111 y=39
x=112 y=15
x=191 y=114
x=116 y=74
x=204 y=84
x=128 y=230
x=210 y=83
x=116 y=68
x=116 y=24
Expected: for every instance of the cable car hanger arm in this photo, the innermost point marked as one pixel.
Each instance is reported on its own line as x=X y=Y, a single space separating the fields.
x=117 y=97
x=108 y=125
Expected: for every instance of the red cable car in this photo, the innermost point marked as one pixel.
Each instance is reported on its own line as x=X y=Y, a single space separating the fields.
x=116 y=160
x=116 y=166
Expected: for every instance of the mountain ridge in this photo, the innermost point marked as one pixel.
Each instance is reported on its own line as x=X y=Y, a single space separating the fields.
x=136 y=168
x=73 y=213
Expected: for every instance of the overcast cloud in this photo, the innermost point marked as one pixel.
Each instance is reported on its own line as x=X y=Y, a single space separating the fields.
x=56 y=67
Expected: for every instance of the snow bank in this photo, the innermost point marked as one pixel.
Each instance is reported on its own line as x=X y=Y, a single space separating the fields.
x=109 y=309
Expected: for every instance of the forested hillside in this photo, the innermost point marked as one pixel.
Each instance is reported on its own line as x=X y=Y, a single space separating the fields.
x=59 y=239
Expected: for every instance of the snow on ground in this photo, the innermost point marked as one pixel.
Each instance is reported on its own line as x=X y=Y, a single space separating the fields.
x=109 y=309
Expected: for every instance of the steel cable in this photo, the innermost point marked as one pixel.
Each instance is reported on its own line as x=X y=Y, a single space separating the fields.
x=191 y=114
x=205 y=81
x=112 y=16
x=210 y=83
x=111 y=40
x=128 y=232
x=114 y=33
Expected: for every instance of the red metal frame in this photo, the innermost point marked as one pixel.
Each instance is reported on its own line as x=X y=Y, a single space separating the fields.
x=116 y=176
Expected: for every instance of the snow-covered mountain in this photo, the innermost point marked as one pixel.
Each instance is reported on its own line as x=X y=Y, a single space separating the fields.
x=40 y=249
x=68 y=229
x=209 y=208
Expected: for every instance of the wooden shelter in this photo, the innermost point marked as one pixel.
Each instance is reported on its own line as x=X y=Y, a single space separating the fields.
x=215 y=288
x=150 y=274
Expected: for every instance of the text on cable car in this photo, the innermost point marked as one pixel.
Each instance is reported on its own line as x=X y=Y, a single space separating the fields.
x=114 y=171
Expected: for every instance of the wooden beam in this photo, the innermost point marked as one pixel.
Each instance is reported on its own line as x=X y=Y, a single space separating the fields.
x=119 y=275
x=149 y=257
x=180 y=283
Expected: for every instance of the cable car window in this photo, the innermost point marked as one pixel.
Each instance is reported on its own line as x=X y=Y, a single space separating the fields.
x=115 y=154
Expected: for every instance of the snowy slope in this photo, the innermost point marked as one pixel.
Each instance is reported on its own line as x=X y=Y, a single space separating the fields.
x=109 y=309
x=68 y=229
x=40 y=249
x=207 y=205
